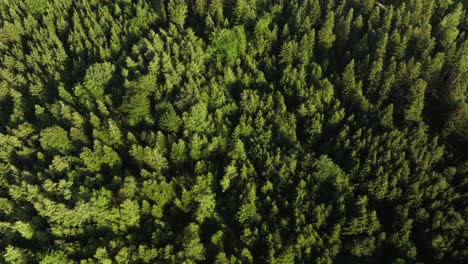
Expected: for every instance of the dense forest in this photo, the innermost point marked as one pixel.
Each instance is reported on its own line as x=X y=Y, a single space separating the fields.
x=233 y=131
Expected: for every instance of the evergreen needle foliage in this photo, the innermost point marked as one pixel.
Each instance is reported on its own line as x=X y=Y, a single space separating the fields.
x=233 y=131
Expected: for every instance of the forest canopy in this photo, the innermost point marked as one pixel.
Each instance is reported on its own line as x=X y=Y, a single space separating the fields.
x=233 y=131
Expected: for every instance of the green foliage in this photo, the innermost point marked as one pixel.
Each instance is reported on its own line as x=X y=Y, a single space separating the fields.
x=100 y=155
x=55 y=139
x=169 y=120
x=177 y=12
x=193 y=248
x=228 y=44
x=416 y=101
x=448 y=27
x=56 y=257
x=96 y=77
x=246 y=131
x=36 y=7
x=177 y=151
x=15 y=255
x=325 y=35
